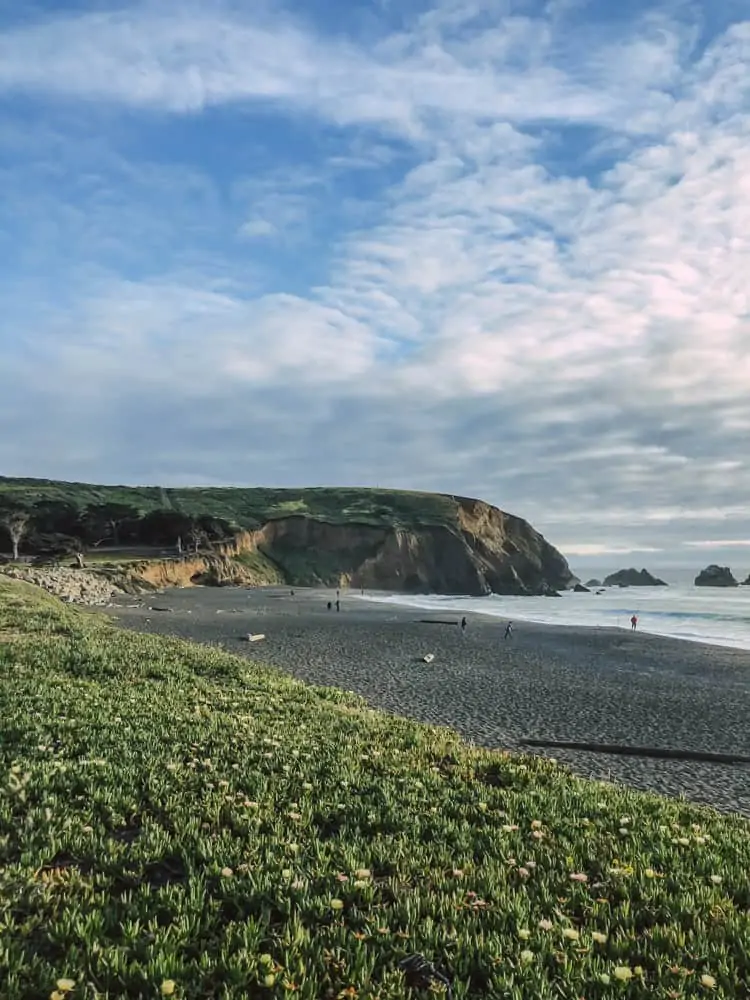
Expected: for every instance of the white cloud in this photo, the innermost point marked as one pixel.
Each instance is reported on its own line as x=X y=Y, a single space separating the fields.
x=719 y=543
x=589 y=550
x=187 y=58
x=563 y=330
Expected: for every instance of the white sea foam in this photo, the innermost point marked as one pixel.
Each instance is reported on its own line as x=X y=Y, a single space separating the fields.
x=715 y=616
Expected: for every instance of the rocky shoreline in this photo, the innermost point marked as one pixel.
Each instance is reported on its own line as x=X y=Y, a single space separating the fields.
x=74 y=586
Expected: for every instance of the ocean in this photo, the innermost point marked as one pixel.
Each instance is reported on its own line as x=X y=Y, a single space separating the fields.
x=711 y=615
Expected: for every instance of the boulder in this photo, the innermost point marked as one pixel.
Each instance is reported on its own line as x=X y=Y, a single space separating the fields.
x=580 y=589
x=592 y=584
x=633 y=578
x=715 y=576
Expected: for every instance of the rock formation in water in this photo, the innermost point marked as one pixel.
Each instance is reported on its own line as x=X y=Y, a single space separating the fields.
x=716 y=576
x=633 y=578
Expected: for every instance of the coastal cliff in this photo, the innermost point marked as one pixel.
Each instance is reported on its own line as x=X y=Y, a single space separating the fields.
x=373 y=539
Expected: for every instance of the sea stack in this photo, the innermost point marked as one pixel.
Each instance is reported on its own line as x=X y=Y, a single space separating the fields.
x=716 y=576
x=633 y=578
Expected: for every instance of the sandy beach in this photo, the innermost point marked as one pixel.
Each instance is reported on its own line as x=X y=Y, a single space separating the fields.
x=546 y=682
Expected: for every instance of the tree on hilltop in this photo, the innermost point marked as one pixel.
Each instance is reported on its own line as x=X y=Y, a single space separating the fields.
x=16 y=522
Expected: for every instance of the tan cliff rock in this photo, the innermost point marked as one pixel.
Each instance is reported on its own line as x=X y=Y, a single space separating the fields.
x=487 y=551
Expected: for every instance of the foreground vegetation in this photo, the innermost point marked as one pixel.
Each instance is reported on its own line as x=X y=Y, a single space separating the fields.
x=175 y=821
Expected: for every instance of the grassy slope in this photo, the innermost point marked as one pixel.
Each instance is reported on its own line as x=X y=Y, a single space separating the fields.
x=252 y=506
x=172 y=813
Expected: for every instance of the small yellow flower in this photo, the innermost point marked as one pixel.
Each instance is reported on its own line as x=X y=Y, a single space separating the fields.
x=708 y=981
x=650 y=873
x=337 y=904
x=360 y=883
x=266 y=959
x=66 y=985
x=286 y=873
x=546 y=925
x=226 y=873
x=683 y=841
x=716 y=879
x=56 y=995
x=524 y=934
x=571 y=933
x=599 y=937
x=366 y=873
x=638 y=970
x=579 y=877
x=623 y=973
x=269 y=980
x=527 y=956
x=604 y=979
x=536 y=824
x=537 y=834
x=168 y=987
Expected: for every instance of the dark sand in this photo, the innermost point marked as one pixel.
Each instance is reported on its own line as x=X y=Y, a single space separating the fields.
x=546 y=682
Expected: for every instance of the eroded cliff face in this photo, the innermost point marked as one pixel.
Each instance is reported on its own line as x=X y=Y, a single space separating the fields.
x=484 y=551
x=488 y=551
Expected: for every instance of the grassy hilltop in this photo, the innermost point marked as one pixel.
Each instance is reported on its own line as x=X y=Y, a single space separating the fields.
x=246 y=507
x=385 y=539
x=176 y=821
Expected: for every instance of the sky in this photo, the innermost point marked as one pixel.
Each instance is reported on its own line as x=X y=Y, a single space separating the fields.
x=496 y=248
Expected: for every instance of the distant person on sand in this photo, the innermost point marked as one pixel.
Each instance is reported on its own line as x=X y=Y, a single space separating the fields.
x=633 y=623
x=508 y=630
x=338 y=604
x=463 y=624
x=329 y=605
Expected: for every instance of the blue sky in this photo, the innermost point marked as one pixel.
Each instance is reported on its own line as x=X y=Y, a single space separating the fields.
x=491 y=247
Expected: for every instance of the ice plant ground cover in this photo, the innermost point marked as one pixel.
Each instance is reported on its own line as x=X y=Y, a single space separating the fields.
x=175 y=821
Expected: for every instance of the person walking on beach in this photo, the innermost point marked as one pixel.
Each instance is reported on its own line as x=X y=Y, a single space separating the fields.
x=633 y=623
x=463 y=625
x=338 y=604
x=508 y=630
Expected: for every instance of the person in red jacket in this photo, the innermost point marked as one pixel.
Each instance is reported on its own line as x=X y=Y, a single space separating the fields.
x=633 y=622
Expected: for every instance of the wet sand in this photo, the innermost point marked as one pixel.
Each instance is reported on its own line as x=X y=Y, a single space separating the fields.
x=546 y=682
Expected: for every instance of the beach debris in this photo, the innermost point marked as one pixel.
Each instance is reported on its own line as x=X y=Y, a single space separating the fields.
x=420 y=974
x=156 y=607
x=428 y=657
x=254 y=638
